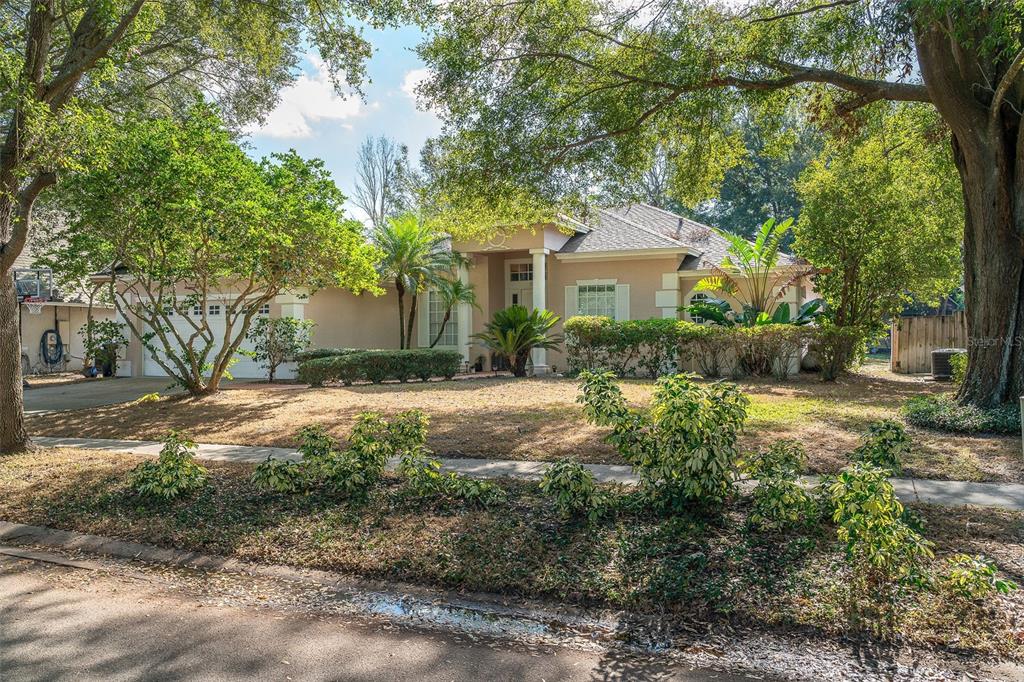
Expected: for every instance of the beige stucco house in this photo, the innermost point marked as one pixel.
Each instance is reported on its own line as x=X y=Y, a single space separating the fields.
x=631 y=262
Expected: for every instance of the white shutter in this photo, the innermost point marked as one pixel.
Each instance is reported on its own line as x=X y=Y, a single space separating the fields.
x=572 y=301
x=621 y=302
x=423 y=320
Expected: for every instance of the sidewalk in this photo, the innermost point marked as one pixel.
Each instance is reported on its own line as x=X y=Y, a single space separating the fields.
x=946 y=493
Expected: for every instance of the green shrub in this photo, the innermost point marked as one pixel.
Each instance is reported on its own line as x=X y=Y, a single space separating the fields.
x=838 y=349
x=381 y=365
x=573 y=487
x=684 y=446
x=709 y=344
x=175 y=472
x=886 y=555
x=424 y=480
x=779 y=501
x=317 y=353
x=278 y=475
x=355 y=470
x=650 y=347
x=974 y=578
x=958 y=363
x=885 y=445
x=767 y=349
x=592 y=343
x=943 y=413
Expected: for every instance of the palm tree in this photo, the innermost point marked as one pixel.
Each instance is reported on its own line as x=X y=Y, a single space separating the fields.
x=453 y=292
x=415 y=258
x=749 y=276
x=514 y=332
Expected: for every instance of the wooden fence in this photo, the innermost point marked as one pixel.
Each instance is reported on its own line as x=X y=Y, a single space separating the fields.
x=914 y=339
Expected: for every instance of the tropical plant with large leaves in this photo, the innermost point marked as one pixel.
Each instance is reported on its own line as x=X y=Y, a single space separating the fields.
x=416 y=257
x=514 y=332
x=720 y=312
x=453 y=292
x=751 y=276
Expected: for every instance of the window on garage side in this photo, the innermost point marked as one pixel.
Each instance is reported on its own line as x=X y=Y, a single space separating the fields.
x=436 y=311
x=596 y=299
x=264 y=309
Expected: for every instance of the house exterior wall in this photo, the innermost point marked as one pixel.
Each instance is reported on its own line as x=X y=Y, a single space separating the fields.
x=67 y=320
x=347 y=320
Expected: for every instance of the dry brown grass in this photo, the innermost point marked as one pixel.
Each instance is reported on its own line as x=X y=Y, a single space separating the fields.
x=539 y=419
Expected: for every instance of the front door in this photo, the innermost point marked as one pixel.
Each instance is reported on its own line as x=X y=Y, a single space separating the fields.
x=519 y=283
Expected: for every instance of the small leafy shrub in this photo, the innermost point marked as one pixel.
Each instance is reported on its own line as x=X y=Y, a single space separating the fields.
x=838 y=349
x=315 y=444
x=425 y=480
x=974 y=578
x=573 y=488
x=684 y=446
x=278 y=475
x=958 y=363
x=885 y=445
x=175 y=473
x=381 y=365
x=779 y=501
x=345 y=473
x=943 y=413
x=887 y=556
x=277 y=340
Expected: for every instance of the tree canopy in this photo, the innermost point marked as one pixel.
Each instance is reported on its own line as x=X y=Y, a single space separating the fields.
x=882 y=218
x=190 y=219
x=561 y=100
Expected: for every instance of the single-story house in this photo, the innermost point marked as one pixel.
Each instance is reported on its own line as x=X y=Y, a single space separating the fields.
x=631 y=262
x=49 y=320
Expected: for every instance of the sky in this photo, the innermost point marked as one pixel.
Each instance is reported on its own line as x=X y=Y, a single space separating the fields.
x=315 y=121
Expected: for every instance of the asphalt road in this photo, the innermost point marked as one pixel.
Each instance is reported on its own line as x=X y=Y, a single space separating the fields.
x=58 y=622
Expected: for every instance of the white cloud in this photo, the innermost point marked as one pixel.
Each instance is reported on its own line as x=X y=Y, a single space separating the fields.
x=312 y=98
x=412 y=79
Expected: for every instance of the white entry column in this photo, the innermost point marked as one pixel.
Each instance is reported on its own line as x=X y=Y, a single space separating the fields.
x=540 y=302
x=465 y=318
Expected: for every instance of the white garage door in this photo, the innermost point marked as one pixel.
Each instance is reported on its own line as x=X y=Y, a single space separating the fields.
x=244 y=368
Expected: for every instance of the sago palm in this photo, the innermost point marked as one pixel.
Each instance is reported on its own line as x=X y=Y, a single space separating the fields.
x=415 y=257
x=514 y=332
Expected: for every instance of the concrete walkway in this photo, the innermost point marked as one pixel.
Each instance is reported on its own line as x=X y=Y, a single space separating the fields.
x=946 y=493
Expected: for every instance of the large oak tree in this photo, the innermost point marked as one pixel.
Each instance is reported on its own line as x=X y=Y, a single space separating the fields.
x=560 y=97
x=66 y=65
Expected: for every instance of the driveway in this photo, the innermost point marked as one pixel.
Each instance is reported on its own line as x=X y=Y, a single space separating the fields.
x=85 y=394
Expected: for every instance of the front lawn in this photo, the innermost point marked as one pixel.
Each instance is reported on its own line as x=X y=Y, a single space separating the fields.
x=698 y=569
x=538 y=419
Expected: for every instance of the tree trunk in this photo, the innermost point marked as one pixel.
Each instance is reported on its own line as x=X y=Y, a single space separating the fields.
x=412 y=320
x=401 y=313
x=988 y=143
x=13 y=436
x=993 y=273
x=444 y=323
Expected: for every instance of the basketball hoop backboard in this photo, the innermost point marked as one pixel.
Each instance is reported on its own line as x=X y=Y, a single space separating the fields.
x=33 y=284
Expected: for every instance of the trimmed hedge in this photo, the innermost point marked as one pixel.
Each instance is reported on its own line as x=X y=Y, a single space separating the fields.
x=943 y=413
x=381 y=365
x=317 y=353
x=655 y=347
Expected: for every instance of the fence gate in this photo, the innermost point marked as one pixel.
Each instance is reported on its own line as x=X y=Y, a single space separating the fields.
x=914 y=339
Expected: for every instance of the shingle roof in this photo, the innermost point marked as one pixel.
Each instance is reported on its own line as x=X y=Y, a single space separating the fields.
x=641 y=226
